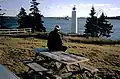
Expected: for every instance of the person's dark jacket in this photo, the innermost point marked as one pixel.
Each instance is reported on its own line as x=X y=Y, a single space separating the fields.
x=54 y=40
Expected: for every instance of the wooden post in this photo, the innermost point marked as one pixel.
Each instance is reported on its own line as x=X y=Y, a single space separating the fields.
x=24 y=31
x=17 y=31
x=9 y=31
x=30 y=30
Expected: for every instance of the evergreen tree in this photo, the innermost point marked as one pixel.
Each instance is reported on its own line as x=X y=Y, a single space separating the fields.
x=22 y=13
x=2 y=21
x=91 y=25
x=34 y=7
x=36 y=17
x=22 y=18
x=104 y=25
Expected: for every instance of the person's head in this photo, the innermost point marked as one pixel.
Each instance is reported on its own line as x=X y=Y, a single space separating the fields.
x=57 y=28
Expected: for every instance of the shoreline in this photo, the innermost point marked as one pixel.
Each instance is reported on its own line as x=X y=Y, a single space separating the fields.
x=66 y=24
x=69 y=38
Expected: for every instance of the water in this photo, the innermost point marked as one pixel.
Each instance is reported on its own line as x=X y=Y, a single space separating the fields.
x=11 y=22
x=66 y=25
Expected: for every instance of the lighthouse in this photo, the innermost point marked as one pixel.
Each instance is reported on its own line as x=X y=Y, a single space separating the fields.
x=74 y=21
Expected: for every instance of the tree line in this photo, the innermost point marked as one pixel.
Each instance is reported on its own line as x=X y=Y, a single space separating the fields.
x=2 y=22
x=32 y=20
x=94 y=26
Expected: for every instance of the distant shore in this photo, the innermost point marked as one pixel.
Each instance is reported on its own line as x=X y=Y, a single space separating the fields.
x=65 y=24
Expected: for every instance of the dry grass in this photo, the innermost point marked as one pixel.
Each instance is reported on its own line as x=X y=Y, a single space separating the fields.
x=104 y=57
x=91 y=40
x=14 y=50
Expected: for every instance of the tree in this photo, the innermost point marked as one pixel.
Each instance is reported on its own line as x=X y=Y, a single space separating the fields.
x=36 y=17
x=2 y=22
x=34 y=7
x=22 y=13
x=104 y=25
x=22 y=18
x=96 y=27
x=91 y=25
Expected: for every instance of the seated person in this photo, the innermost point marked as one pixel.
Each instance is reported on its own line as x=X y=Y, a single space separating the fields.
x=54 y=40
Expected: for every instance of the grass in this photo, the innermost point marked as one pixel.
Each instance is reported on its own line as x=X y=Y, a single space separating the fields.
x=104 y=57
x=92 y=40
x=77 y=39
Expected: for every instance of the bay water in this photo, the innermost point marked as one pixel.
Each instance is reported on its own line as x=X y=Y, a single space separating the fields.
x=66 y=25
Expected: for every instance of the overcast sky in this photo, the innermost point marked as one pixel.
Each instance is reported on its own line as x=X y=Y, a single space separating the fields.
x=60 y=8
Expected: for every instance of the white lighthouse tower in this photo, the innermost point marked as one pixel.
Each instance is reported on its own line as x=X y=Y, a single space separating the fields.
x=74 y=21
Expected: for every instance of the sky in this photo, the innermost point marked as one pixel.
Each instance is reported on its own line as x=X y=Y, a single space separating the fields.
x=62 y=8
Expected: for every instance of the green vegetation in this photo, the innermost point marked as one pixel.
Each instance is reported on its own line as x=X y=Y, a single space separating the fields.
x=36 y=17
x=32 y=20
x=91 y=24
x=22 y=18
x=105 y=27
x=96 y=27
x=2 y=22
x=92 y=40
x=76 y=39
